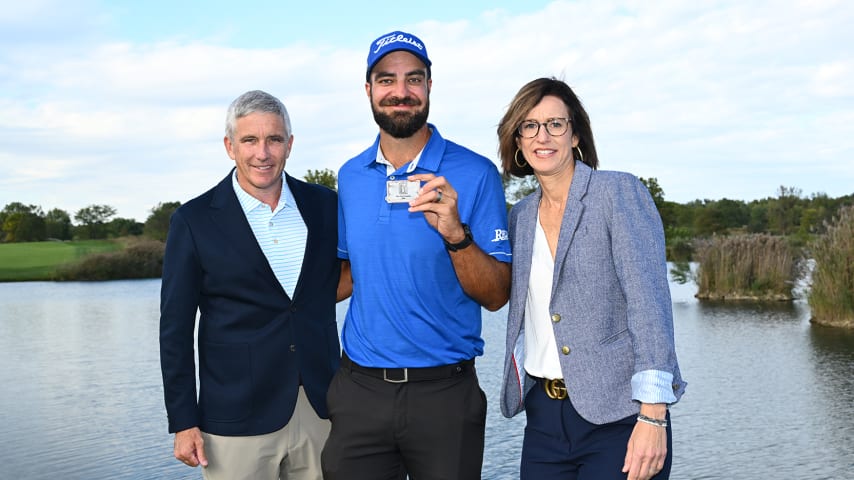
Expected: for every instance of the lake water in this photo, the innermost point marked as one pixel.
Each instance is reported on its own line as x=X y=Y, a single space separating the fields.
x=769 y=395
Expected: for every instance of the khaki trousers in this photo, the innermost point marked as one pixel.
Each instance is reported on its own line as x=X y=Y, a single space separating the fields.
x=292 y=453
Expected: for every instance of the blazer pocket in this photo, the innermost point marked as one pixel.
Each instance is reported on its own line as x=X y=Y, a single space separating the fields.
x=226 y=385
x=624 y=334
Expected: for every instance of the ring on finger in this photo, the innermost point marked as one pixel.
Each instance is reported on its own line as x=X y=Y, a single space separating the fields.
x=438 y=196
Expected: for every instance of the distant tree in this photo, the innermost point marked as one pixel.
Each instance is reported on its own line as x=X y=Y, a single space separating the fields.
x=809 y=221
x=709 y=220
x=685 y=214
x=18 y=207
x=93 y=220
x=325 y=177
x=516 y=188
x=655 y=190
x=58 y=224
x=23 y=227
x=157 y=224
x=721 y=217
x=667 y=210
x=32 y=229
x=822 y=212
x=123 y=227
x=784 y=212
x=9 y=226
x=22 y=223
x=758 y=222
x=735 y=213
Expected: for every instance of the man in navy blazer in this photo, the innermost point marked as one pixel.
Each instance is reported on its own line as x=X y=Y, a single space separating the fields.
x=256 y=257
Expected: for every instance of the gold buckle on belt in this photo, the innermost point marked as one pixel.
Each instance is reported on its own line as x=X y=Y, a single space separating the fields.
x=555 y=389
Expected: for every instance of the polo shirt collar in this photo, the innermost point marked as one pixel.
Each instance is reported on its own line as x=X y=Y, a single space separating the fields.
x=249 y=203
x=428 y=159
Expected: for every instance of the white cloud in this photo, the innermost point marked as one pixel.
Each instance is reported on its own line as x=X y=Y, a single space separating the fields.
x=698 y=95
x=834 y=79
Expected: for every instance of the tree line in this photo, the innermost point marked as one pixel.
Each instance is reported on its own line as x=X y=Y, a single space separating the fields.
x=29 y=223
x=789 y=213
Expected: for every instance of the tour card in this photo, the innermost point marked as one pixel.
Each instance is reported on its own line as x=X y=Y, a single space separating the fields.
x=401 y=191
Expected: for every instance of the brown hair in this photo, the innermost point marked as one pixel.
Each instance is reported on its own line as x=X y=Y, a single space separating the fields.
x=528 y=97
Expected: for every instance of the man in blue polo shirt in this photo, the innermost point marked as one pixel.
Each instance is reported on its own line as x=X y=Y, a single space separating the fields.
x=423 y=234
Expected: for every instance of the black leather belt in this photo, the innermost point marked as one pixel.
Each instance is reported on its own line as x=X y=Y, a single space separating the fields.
x=404 y=375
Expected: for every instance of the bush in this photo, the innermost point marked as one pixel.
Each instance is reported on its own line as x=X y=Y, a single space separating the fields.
x=831 y=296
x=747 y=266
x=140 y=259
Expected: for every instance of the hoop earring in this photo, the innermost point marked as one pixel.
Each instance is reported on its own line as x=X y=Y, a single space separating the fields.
x=580 y=155
x=516 y=160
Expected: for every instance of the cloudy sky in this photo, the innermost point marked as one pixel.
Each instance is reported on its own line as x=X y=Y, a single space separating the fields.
x=123 y=102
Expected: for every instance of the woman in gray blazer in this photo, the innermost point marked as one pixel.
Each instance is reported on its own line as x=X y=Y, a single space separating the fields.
x=590 y=351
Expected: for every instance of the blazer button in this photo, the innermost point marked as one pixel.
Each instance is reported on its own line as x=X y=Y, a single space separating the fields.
x=565 y=350
x=555 y=317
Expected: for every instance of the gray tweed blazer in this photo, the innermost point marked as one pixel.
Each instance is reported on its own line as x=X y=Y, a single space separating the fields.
x=609 y=289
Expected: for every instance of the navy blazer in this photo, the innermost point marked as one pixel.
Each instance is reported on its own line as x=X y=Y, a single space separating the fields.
x=255 y=343
x=610 y=299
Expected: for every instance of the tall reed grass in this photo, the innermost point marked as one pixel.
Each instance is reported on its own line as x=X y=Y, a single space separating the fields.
x=745 y=267
x=831 y=296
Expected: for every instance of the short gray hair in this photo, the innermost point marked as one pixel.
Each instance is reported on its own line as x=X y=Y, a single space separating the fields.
x=251 y=102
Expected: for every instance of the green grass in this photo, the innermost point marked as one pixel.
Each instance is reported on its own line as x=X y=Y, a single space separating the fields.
x=39 y=260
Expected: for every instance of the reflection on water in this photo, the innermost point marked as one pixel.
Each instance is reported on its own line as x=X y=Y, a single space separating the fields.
x=82 y=396
x=769 y=395
x=756 y=405
x=832 y=365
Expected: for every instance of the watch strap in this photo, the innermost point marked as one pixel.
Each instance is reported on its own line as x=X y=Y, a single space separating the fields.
x=465 y=242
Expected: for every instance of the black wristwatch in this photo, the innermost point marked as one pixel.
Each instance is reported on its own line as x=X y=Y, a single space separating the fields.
x=465 y=242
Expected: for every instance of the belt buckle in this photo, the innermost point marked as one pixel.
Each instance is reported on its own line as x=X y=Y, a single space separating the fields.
x=391 y=380
x=555 y=388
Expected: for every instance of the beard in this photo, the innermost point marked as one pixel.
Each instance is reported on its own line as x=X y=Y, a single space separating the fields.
x=401 y=124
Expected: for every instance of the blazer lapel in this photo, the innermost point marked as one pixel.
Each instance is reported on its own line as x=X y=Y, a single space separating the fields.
x=312 y=224
x=228 y=215
x=523 y=250
x=571 y=217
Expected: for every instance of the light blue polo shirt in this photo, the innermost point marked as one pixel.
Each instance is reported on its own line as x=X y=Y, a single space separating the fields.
x=281 y=233
x=408 y=308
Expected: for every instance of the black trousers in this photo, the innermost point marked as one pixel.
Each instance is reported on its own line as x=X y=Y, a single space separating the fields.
x=429 y=429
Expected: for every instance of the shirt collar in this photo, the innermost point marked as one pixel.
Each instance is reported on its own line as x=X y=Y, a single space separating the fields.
x=249 y=203
x=428 y=158
x=389 y=168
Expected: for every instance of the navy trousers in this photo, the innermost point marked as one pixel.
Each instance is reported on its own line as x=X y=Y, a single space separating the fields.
x=560 y=445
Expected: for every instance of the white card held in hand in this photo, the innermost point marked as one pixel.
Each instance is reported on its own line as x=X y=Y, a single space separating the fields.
x=401 y=191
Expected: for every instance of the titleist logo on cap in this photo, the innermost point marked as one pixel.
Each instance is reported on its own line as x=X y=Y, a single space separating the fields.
x=388 y=40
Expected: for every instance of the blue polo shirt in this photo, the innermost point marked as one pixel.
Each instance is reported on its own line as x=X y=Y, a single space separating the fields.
x=408 y=308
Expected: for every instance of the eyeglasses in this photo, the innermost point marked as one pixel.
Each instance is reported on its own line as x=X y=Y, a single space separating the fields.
x=554 y=126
